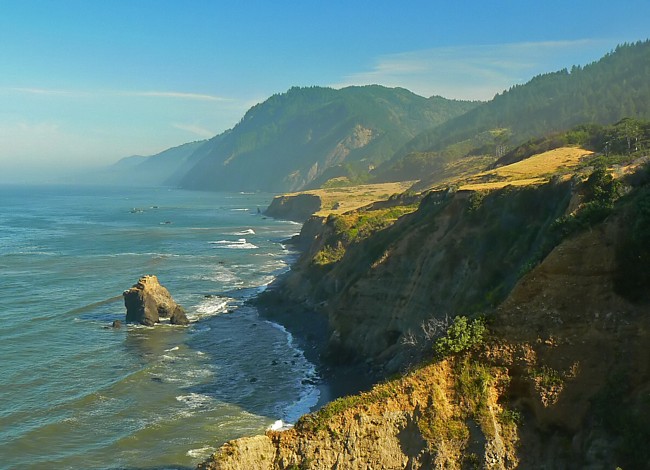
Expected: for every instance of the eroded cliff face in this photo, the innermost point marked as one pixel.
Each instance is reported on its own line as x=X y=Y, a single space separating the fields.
x=563 y=381
x=420 y=421
x=297 y=208
x=459 y=253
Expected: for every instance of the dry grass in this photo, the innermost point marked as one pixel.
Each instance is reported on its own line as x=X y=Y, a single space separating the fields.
x=340 y=200
x=534 y=170
x=501 y=184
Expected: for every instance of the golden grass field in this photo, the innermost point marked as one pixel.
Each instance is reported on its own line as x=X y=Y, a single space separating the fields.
x=536 y=169
x=339 y=200
x=533 y=170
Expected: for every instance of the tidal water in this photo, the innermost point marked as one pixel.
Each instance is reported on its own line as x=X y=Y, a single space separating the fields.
x=75 y=393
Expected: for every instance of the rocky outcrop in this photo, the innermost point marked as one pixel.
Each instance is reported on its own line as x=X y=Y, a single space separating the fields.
x=148 y=301
x=418 y=422
x=295 y=207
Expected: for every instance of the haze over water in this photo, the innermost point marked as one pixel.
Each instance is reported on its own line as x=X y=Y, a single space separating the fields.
x=76 y=393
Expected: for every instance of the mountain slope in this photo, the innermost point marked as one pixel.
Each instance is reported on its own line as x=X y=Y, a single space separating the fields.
x=606 y=91
x=291 y=139
x=164 y=168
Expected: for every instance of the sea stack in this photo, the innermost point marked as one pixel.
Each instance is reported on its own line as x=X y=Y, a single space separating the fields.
x=148 y=301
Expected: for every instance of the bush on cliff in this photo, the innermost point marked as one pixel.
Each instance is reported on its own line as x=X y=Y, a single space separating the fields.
x=462 y=335
x=354 y=227
x=601 y=191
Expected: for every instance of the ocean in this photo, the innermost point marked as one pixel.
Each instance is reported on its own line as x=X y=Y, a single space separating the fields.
x=76 y=393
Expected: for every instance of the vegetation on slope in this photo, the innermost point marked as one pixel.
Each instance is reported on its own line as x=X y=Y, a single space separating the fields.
x=556 y=377
x=604 y=92
x=628 y=139
x=351 y=228
x=292 y=139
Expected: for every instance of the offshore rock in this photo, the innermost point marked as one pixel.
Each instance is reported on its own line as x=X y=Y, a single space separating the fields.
x=148 y=301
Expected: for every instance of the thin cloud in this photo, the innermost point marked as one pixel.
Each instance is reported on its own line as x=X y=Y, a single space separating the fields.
x=475 y=72
x=152 y=94
x=45 y=91
x=176 y=94
x=194 y=129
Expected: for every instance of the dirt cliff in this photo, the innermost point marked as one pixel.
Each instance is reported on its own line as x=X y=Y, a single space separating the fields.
x=562 y=381
x=297 y=208
x=460 y=252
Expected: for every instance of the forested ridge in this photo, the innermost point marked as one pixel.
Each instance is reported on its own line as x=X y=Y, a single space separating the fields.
x=604 y=92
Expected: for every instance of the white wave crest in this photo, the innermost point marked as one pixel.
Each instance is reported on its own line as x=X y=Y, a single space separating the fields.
x=201 y=452
x=279 y=425
x=248 y=231
x=240 y=244
x=211 y=306
x=195 y=400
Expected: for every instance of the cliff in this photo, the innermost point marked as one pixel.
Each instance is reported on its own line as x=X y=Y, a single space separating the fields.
x=300 y=206
x=562 y=380
x=297 y=207
x=458 y=253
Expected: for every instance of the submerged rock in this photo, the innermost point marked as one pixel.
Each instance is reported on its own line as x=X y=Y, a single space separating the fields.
x=148 y=301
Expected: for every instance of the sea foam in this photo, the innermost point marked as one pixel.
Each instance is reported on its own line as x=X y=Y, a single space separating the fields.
x=240 y=244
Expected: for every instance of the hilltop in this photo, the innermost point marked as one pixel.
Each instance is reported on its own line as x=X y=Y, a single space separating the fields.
x=315 y=137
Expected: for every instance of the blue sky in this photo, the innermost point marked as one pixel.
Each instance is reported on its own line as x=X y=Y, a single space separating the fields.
x=84 y=83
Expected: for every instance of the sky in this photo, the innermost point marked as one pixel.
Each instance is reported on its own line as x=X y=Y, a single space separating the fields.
x=84 y=83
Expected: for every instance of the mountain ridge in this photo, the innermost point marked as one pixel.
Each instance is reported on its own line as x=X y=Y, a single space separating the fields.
x=291 y=139
x=603 y=92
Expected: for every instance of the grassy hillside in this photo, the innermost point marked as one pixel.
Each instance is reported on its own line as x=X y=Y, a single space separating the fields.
x=535 y=169
x=604 y=92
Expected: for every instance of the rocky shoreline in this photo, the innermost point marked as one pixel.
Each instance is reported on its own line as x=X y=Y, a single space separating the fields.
x=310 y=330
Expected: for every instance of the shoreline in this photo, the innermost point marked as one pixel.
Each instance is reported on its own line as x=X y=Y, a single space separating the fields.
x=310 y=331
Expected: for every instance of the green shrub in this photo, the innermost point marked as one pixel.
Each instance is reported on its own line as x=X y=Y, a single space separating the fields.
x=462 y=335
x=548 y=377
x=475 y=201
x=601 y=191
x=329 y=255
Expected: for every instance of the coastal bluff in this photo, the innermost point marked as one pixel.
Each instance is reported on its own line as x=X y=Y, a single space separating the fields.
x=148 y=301
x=560 y=381
x=294 y=207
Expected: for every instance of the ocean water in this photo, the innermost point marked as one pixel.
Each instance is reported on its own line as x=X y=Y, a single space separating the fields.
x=75 y=393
